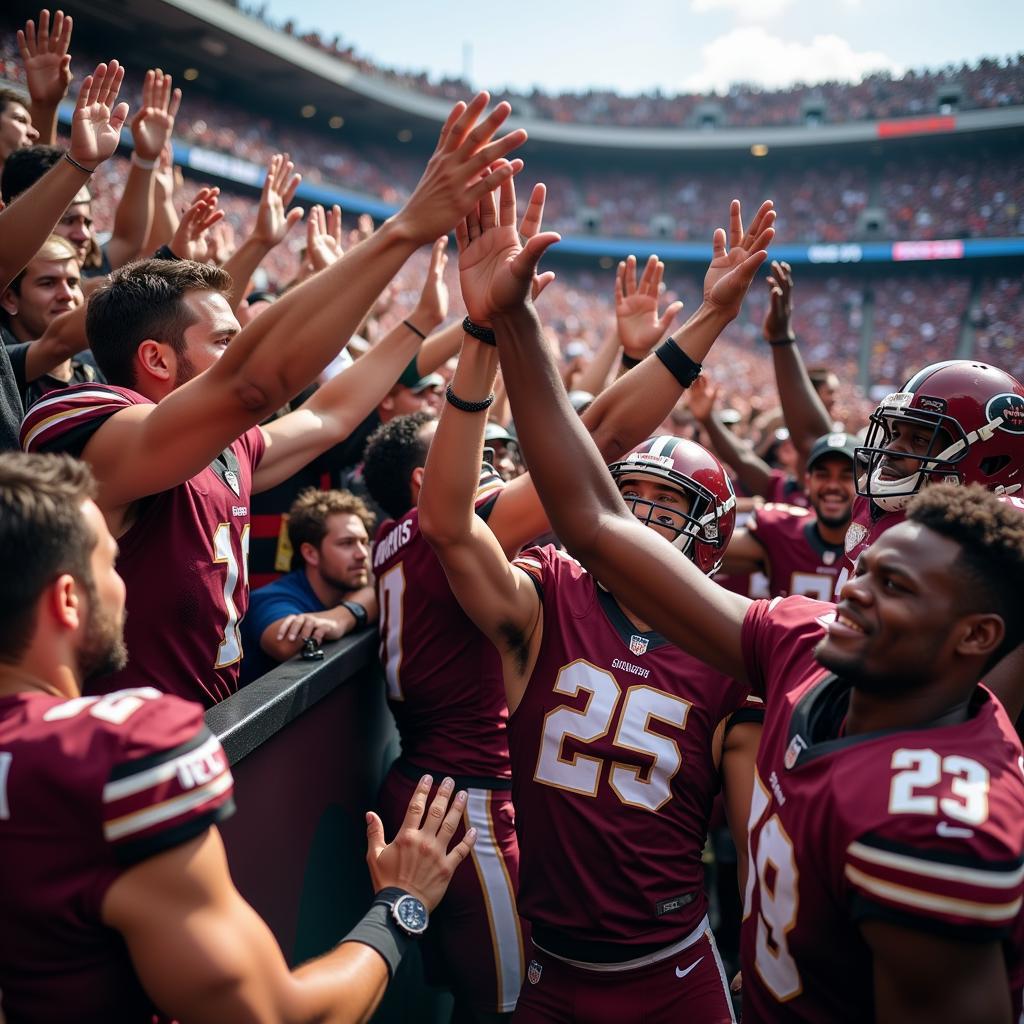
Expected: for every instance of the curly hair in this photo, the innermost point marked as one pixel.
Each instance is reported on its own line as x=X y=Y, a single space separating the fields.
x=43 y=535
x=307 y=518
x=393 y=451
x=990 y=566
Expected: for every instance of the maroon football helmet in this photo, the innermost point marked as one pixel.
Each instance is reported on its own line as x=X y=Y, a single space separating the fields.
x=974 y=414
x=712 y=517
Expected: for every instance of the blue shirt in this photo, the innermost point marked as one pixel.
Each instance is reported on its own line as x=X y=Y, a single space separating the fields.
x=289 y=595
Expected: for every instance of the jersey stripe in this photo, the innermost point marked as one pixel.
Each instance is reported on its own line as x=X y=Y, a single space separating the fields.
x=986 y=878
x=29 y=438
x=914 y=898
x=155 y=814
x=136 y=783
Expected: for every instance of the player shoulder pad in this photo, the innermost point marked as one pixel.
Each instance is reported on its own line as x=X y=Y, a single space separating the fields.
x=167 y=776
x=65 y=420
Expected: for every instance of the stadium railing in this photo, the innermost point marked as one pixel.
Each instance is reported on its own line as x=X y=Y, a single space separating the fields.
x=308 y=745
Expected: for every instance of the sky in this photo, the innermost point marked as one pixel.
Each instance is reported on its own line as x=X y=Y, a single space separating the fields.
x=687 y=45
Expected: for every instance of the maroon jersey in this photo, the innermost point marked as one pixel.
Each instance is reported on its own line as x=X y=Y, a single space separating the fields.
x=613 y=773
x=184 y=559
x=444 y=677
x=922 y=827
x=89 y=787
x=786 y=490
x=801 y=562
x=868 y=523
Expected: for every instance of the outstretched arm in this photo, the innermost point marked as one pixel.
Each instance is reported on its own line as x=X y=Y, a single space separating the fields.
x=146 y=449
x=95 y=129
x=751 y=470
x=204 y=955
x=646 y=573
x=499 y=598
x=339 y=406
x=802 y=407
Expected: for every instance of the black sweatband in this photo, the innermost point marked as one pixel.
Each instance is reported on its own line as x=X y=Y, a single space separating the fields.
x=678 y=363
x=415 y=330
x=164 y=253
x=378 y=930
x=484 y=334
x=357 y=611
x=74 y=163
x=464 y=406
x=628 y=362
x=780 y=342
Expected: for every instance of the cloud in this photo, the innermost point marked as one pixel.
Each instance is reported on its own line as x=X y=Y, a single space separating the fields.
x=745 y=10
x=751 y=54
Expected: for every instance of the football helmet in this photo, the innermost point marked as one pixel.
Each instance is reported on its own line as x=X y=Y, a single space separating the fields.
x=974 y=414
x=708 y=525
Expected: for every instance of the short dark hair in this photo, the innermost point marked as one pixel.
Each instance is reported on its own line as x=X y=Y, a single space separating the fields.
x=43 y=535
x=24 y=167
x=307 y=518
x=144 y=300
x=393 y=451
x=990 y=565
x=9 y=96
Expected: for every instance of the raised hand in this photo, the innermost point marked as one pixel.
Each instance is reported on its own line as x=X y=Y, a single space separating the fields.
x=465 y=166
x=220 y=243
x=44 y=52
x=189 y=241
x=432 y=307
x=701 y=398
x=730 y=272
x=636 y=307
x=323 y=238
x=497 y=264
x=96 y=123
x=273 y=218
x=778 y=318
x=418 y=859
x=153 y=124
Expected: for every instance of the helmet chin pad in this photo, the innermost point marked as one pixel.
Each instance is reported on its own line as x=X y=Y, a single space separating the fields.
x=894 y=495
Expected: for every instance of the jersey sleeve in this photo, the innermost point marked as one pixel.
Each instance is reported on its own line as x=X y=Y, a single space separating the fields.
x=255 y=443
x=66 y=420
x=169 y=778
x=906 y=873
x=546 y=564
x=778 y=640
x=488 y=491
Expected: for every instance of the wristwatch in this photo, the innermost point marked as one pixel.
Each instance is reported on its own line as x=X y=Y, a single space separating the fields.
x=408 y=912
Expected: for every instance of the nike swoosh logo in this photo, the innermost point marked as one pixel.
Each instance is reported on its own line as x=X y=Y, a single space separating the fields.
x=948 y=831
x=683 y=974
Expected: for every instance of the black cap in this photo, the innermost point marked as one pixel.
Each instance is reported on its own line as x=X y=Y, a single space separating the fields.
x=833 y=444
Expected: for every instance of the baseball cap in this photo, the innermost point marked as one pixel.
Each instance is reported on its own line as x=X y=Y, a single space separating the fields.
x=432 y=380
x=496 y=432
x=833 y=444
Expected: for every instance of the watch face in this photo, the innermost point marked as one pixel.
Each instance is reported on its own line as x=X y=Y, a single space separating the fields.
x=411 y=914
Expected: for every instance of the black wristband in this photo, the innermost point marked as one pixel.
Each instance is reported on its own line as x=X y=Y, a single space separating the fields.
x=415 y=330
x=164 y=253
x=781 y=342
x=378 y=930
x=357 y=611
x=628 y=362
x=484 y=334
x=81 y=167
x=464 y=406
x=678 y=363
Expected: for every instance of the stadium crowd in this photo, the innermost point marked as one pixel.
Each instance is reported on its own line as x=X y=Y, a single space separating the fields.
x=645 y=567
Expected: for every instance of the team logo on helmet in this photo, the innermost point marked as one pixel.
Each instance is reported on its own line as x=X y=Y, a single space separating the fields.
x=936 y=405
x=533 y=972
x=638 y=645
x=1011 y=408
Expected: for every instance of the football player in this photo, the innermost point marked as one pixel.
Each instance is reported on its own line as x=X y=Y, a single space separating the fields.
x=444 y=678
x=886 y=849
x=117 y=901
x=800 y=551
x=174 y=440
x=617 y=739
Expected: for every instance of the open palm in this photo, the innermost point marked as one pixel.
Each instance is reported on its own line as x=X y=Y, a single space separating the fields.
x=636 y=307
x=731 y=270
x=96 y=124
x=495 y=270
